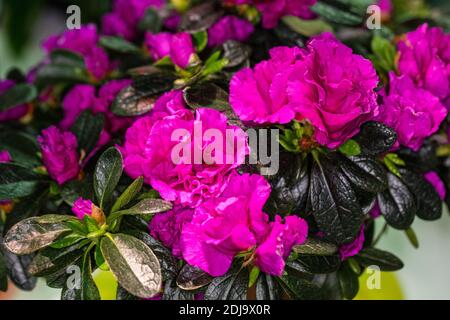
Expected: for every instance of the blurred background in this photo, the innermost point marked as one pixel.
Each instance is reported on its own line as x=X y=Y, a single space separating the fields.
x=426 y=275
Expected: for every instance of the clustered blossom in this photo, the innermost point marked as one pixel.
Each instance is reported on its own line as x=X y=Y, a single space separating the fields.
x=178 y=47
x=273 y=10
x=82 y=207
x=15 y=112
x=59 y=154
x=229 y=28
x=413 y=113
x=424 y=56
x=126 y=14
x=211 y=235
x=83 y=41
x=325 y=84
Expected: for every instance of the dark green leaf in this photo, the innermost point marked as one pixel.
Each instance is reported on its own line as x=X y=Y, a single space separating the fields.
x=236 y=53
x=66 y=241
x=412 y=237
x=375 y=138
x=200 y=17
x=266 y=288
x=133 y=263
x=428 y=202
x=397 y=204
x=365 y=173
x=307 y=27
x=51 y=260
x=123 y=294
x=89 y=290
x=72 y=190
x=118 y=44
x=316 y=264
x=384 y=260
x=151 y=21
x=173 y=292
x=144 y=207
x=348 y=282
x=77 y=226
x=100 y=259
x=333 y=201
x=67 y=58
x=90 y=223
x=206 y=95
x=316 y=247
x=57 y=73
x=19 y=94
x=35 y=233
x=300 y=289
x=22 y=147
x=107 y=174
x=192 y=278
x=231 y=286
x=17 y=181
x=336 y=15
x=87 y=129
x=128 y=195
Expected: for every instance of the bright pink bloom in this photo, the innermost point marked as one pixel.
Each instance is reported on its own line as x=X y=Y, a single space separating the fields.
x=82 y=207
x=126 y=14
x=234 y=222
x=434 y=179
x=16 y=112
x=353 y=248
x=229 y=28
x=80 y=98
x=133 y=151
x=192 y=178
x=425 y=58
x=333 y=89
x=83 y=41
x=413 y=113
x=260 y=95
x=59 y=154
x=179 y=47
x=386 y=7
x=5 y=156
x=167 y=226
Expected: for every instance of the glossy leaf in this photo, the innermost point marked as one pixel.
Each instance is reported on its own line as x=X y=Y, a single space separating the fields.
x=375 y=138
x=19 y=94
x=128 y=195
x=87 y=129
x=231 y=286
x=206 y=95
x=118 y=44
x=17 y=181
x=314 y=246
x=192 y=278
x=384 y=260
x=107 y=174
x=144 y=207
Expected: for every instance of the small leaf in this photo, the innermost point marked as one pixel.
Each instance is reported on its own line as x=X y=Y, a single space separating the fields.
x=87 y=129
x=118 y=44
x=35 y=233
x=151 y=21
x=350 y=148
x=89 y=290
x=192 y=278
x=254 y=274
x=128 y=195
x=384 y=260
x=19 y=94
x=107 y=174
x=206 y=95
x=145 y=207
x=90 y=223
x=100 y=260
x=316 y=247
x=236 y=53
x=77 y=226
x=375 y=138
x=348 y=281
x=412 y=237
x=17 y=181
x=134 y=264
x=307 y=27
x=66 y=241
x=200 y=40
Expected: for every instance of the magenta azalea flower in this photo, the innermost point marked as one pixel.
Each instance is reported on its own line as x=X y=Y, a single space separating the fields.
x=84 y=42
x=5 y=156
x=260 y=95
x=126 y=14
x=59 y=154
x=16 y=112
x=386 y=7
x=332 y=88
x=83 y=97
x=425 y=58
x=167 y=226
x=189 y=178
x=178 y=47
x=82 y=207
x=353 y=248
x=229 y=28
x=413 y=113
x=133 y=151
x=433 y=178
x=234 y=222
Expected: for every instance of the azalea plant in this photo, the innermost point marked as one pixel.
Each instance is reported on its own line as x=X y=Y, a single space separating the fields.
x=88 y=178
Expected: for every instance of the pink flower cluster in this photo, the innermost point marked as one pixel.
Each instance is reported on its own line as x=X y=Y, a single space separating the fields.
x=83 y=41
x=126 y=14
x=178 y=47
x=229 y=28
x=212 y=234
x=325 y=84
